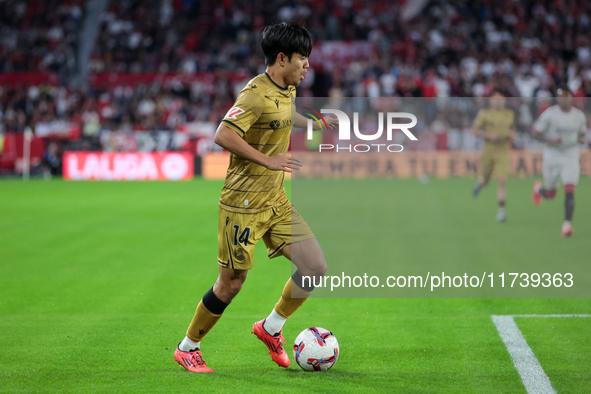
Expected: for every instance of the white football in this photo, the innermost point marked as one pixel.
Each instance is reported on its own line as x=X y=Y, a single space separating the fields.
x=316 y=349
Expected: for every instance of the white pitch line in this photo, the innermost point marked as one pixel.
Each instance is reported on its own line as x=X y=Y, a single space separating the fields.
x=532 y=375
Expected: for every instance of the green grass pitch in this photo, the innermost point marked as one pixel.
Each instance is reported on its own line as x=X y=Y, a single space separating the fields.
x=98 y=282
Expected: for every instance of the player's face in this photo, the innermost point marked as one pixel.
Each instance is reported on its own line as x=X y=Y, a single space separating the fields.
x=497 y=101
x=565 y=100
x=295 y=69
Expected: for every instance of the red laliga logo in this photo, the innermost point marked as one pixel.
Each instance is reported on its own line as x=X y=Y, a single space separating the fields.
x=233 y=112
x=174 y=167
x=129 y=166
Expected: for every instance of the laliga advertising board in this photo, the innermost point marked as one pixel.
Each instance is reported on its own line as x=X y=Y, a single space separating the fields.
x=128 y=166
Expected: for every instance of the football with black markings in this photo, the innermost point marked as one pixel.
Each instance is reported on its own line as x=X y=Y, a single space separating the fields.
x=316 y=349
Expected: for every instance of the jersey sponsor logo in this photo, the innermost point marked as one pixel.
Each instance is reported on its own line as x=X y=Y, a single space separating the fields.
x=275 y=124
x=233 y=112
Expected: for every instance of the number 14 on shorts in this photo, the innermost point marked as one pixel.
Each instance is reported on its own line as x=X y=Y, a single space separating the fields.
x=243 y=237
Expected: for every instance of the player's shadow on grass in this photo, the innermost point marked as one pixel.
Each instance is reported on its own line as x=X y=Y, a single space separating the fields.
x=297 y=379
x=293 y=373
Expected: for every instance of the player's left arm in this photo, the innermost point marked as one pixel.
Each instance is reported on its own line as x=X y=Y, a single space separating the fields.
x=513 y=129
x=301 y=122
x=478 y=128
x=513 y=135
x=582 y=131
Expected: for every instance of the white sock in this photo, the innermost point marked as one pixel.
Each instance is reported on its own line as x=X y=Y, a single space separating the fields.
x=274 y=323
x=566 y=222
x=187 y=345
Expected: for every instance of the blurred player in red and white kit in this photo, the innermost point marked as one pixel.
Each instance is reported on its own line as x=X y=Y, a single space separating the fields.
x=562 y=128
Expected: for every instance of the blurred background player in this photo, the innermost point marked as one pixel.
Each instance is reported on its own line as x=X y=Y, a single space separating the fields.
x=562 y=128
x=496 y=125
x=253 y=203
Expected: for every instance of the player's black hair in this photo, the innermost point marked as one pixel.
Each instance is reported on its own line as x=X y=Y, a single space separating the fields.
x=498 y=91
x=563 y=88
x=287 y=38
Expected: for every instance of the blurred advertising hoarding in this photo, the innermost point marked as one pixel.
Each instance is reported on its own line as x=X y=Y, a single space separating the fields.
x=439 y=164
x=128 y=166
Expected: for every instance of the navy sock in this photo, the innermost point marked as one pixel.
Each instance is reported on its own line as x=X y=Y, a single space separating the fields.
x=569 y=205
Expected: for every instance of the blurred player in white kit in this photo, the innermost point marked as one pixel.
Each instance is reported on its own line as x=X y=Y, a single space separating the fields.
x=562 y=128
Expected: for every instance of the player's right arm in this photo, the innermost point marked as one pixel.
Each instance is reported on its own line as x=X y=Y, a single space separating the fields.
x=477 y=128
x=239 y=119
x=550 y=141
x=541 y=127
x=539 y=135
x=230 y=140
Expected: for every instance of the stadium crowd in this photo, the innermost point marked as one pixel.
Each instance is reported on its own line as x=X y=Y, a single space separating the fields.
x=38 y=35
x=451 y=49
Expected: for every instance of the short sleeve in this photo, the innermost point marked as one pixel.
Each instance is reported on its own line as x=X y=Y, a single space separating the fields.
x=542 y=125
x=583 y=128
x=245 y=112
x=479 y=121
